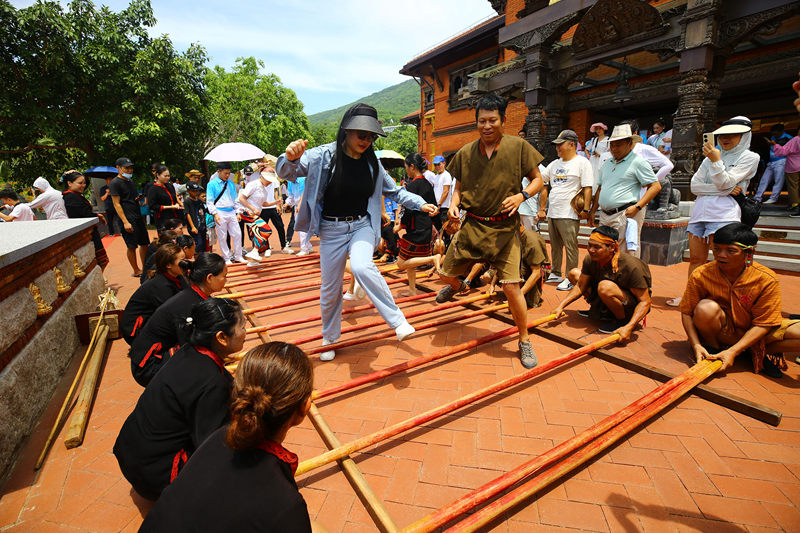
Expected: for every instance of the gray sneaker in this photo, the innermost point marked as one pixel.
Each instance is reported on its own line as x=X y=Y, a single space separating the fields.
x=526 y=355
x=448 y=292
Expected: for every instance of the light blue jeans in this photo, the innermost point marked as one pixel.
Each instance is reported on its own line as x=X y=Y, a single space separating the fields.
x=356 y=240
x=773 y=172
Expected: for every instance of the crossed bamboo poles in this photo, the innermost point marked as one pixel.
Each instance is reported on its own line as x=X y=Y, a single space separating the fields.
x=556 y=463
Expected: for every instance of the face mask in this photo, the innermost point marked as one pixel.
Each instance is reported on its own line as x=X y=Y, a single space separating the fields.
x=127 y=175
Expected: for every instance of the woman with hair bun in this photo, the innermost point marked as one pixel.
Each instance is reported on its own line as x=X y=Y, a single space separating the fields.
x=161 y=335
x=166 y=281
x=415 y=244
x=161 y=197
x=186 y=401
x=79 y=207
x=243 y=466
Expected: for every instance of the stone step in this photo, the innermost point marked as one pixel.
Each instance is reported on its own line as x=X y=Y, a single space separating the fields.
x=779 y=264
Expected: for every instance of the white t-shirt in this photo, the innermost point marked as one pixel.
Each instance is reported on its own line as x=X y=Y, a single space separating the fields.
x=443 y=180
x=257 y=194
x=270 y=195
x=566 y=179
x=432 y=179
x=22 y=213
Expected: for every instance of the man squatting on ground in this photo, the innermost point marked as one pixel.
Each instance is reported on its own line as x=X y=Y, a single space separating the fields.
x=488 y=187
x=616 y=285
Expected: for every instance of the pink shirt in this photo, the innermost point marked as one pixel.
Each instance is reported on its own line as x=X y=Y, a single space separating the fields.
x=791 y=151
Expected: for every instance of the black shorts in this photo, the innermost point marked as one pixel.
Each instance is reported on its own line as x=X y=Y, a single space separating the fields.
x=138 y=237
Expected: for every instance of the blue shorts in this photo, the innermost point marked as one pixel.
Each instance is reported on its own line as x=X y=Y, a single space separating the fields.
x=704 y=229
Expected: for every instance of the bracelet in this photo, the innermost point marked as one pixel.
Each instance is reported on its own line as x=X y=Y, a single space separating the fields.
x=638 y=207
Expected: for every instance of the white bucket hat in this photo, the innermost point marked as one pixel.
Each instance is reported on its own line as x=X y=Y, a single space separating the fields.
x=738 y=124
x=623 y=131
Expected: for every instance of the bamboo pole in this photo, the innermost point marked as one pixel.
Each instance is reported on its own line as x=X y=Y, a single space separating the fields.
x=412 y=314
x=283 y=277
x=279 y=305
x=365 y=493
x=306 y=285
x=76 y=428
x=276 y=260
x=78 y=375
x=296 y=321
x=697 y=374
x=254 y=271
x=408 y=365
x=437 y=412
x=496 y=486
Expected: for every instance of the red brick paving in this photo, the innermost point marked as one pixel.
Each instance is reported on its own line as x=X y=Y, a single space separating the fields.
x=697 y=467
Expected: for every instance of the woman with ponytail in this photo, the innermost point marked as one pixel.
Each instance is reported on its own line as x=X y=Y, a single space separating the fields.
x=165 y=281
x=77 y=206
x=185 y=403
x=243 y=466
x=162 y=334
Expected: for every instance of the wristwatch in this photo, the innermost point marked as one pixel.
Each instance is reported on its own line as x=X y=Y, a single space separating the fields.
x=585 y=211
x=638 y=207
x=525 y=194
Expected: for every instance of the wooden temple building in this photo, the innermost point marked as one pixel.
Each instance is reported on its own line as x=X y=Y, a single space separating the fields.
x=569 y=63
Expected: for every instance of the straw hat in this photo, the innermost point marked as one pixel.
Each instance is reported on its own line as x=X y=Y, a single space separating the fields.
x=623 y=131
x=194 y=172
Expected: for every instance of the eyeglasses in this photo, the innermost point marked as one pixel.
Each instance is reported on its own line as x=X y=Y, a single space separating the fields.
x=366 y=136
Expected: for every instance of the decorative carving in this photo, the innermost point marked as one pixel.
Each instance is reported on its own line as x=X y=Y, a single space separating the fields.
x=61 y=285
x=77 y=271
x=543 y=35
x=665 y=206
x=613 y=23
x=535 y=126
x=743 y=29
x=499 y=6
x=565 y=76
x=531 y=6
x=665 y=49
x=41 y=307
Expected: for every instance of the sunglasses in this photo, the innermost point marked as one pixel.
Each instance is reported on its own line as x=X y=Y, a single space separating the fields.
x=366 y=136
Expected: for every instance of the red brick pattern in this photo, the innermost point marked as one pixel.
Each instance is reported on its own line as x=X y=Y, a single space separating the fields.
x=697 y=467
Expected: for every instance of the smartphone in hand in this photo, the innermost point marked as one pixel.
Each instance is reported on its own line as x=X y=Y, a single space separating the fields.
x=708 y=138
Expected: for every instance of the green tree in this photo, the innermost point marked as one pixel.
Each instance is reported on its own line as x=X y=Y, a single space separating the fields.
x=86 y=85
x=402 y=140
x=247 y=106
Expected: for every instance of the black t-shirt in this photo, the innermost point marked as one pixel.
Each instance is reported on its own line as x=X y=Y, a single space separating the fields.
x=196 y=209
x=185 y=403
x=126 y=190
x=223 y=490
x=348 y=195
x=109 y=202
x=418 y=224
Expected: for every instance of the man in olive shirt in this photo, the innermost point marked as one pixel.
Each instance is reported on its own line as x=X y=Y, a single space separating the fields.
x=617 y=286
x=488 y=187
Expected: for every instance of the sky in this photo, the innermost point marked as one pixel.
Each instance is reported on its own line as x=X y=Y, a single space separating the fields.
x=329 y=52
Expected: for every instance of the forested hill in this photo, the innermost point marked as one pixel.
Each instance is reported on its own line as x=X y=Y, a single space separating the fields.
x=392 y=103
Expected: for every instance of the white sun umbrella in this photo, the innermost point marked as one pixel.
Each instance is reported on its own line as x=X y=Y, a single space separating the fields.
x=235 y=152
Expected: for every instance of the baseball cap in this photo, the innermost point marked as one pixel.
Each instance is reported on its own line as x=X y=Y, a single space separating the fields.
x=192 y=186
x=438 y=159
x=123 y=162
x=566 y=135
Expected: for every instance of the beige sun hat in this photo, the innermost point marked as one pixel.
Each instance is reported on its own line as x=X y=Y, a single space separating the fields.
x=623 y=131
x=738 y=124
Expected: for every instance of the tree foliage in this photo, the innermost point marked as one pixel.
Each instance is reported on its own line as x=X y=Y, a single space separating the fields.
x=90 y=84
x=247 y=106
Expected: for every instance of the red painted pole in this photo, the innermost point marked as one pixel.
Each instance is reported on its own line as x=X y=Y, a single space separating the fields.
x=287 y=303
x=413 y=363
x=412 y=314
x=252 y=271
x=294 y=274
x=276 y=260
x=295 y=321
x=378 y=436
x=418 y=327
x=501 y=483
x=697 y=374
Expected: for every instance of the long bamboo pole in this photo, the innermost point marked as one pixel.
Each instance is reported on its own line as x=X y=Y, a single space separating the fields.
x=432 y=414
x=418 y=327
x=306 y=285
x=410 y=314
x=255 y=271
x=76 y=428
x=413 y=363
x=78 y=375
x=365 y=493
x=275 y=260
x=280 y=305
x=697 y=374
x=283 y=277
x=296 y=321
x=496 y=486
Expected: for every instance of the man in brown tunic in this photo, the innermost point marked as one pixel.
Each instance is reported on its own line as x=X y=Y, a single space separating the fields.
x=488 y=187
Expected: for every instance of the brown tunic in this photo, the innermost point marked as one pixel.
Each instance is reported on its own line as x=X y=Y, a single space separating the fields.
x=631 y=273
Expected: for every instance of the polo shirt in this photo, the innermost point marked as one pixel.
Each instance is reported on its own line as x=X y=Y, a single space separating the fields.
x=622 y=181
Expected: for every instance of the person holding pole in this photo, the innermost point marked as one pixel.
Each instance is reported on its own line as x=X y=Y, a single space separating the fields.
x=345 y=186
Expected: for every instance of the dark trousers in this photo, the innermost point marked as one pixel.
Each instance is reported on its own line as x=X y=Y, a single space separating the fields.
x=112 y=219
x=273 y=217
x=200 y=240
x=241 y=229
x=290 y=229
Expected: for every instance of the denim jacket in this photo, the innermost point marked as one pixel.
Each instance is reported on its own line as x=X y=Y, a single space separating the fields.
x=315 y=165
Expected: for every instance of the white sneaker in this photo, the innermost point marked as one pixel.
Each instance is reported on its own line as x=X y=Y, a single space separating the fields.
x=773 y=199
x=267 y=252
x=330 y=354
x=349 y=296
x=253 y=263
x=303 y=252
x=565 y=285
x=552 y=278
x=253 y=254
x=228 y=262
x=359 y=292
x=404 y=330
x=287 y=249
x=239 y=259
